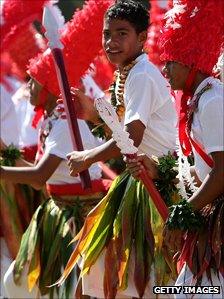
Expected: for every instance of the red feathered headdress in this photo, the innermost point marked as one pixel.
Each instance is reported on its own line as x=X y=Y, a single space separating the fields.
x=14 y=12
x=157 y=13
x=82 y=42
x=193 y=34
x=6 y=69
x=24 y=43
x=18 y=37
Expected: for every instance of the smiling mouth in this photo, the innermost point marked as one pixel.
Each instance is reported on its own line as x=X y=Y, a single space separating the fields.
x=113 y=52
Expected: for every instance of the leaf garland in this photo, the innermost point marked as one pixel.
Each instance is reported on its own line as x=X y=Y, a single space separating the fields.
x=9 y=155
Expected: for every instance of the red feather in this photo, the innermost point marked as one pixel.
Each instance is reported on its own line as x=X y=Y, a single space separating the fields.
x=19 y=13
x=82 y=43
x=189 y=42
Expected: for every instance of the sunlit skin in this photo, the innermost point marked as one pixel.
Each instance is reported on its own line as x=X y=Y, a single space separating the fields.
x=35 y=96
x=34 y=89
x=176 y=73
x=121 y=42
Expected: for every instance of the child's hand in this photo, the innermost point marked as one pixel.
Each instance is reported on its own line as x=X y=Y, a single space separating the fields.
x=141 y=162
x=84 y=106
x=77 y=162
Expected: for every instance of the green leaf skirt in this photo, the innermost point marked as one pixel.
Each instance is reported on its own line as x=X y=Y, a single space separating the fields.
x=203 y=250
x=125 y=219
x=45 y=244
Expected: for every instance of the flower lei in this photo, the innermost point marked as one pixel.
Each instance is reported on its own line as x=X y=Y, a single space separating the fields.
x=47 y=125
x=181 y=215
x=116 y=91
x=167 y=172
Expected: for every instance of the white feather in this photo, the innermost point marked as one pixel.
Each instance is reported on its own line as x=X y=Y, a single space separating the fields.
x=108 y=114
x=184 y=175
x=58 y=16
x=53 y=21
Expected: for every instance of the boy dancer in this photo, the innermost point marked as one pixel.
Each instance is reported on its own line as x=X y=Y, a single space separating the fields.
x=142 y=101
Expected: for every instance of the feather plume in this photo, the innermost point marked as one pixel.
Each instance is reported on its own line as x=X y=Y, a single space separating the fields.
x=185 y=36
x=18 y=13
x=80 y=48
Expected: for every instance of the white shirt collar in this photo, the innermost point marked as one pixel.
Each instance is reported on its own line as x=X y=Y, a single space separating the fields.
x=141 y=57
x=203 y=84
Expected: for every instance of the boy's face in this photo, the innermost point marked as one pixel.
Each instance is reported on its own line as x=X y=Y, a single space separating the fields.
x=177 y=74
x=121 y=42
x=34 y=89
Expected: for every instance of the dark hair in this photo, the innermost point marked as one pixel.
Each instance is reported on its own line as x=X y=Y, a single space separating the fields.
x=132 y=11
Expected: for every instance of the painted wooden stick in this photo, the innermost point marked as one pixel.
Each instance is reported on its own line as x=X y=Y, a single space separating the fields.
x=51 y=26
x=153 y=192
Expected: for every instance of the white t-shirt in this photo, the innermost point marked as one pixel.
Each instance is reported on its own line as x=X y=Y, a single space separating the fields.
x=147 y=98
x=59 y=143
x=25 y=113
x=9 y=122
x=208 y=123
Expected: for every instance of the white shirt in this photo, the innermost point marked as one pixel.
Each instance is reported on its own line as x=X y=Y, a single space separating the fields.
x=208 y=124
x=59 y=143
x=147 y=98
x=9 y=122
x=25 y=113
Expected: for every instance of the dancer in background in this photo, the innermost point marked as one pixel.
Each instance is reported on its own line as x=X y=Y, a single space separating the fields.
x=18 y=201
x=69 y=203
x=194 y=228
x=58 y=218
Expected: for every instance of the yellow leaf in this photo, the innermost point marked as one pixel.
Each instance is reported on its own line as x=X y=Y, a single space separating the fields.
x=33 y=276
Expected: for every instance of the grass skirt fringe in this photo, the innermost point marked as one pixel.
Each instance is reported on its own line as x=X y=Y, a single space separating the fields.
x=124 y=221
x=44 y=246
x=18 y=203
x=203 y=251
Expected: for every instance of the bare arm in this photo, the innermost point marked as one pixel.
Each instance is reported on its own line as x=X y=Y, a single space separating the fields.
x=23 y=163
x=209 y=190
x=35 y=176
x=212 y=186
